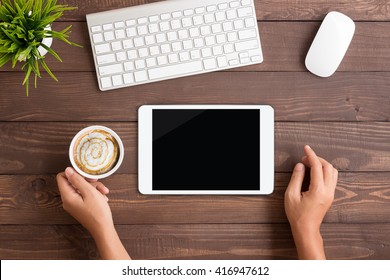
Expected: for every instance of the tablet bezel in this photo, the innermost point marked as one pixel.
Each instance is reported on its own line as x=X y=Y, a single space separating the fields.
x=145 y=148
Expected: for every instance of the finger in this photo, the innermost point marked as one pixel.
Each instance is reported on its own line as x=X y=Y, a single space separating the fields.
x=64 y=186
x=91 y=180
x=294 y=188
x=316 y=173
x=78 y=182
x=101 y=188
x=328 y=170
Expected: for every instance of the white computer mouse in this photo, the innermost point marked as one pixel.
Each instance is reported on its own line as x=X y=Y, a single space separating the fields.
x=330 y=44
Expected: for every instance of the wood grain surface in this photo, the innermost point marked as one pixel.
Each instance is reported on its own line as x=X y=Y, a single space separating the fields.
x=34 y=199
x=283 y=10
x=36 y=148
x=345 y=118
x=202 y=241
x=284 y=44
x=295 y=96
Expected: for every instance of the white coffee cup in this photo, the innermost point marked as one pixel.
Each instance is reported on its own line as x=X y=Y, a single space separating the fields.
x=90 y=129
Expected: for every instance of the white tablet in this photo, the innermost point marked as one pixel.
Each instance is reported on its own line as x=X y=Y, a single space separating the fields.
x=206 y=149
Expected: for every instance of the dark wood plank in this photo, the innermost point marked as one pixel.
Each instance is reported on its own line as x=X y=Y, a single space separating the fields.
x=34 y=199
x=284 y=45
x=265 y=10
x=39 y=148
x=246 y=241
x=294 y=96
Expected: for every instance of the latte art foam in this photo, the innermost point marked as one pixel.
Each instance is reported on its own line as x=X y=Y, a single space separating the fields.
x=96 y=152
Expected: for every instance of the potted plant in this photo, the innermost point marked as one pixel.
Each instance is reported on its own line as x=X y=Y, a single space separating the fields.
x=26 y=34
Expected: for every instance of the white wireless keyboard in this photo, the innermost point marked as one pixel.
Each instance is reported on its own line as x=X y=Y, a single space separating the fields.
x=171 y=39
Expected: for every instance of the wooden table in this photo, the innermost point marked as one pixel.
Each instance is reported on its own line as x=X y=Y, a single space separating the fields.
x=345 y=118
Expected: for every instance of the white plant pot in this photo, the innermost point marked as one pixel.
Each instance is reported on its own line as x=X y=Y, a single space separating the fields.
x=47 y=41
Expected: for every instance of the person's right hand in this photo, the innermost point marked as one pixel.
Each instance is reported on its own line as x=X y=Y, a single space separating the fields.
x=306 y=210
x=85 y=201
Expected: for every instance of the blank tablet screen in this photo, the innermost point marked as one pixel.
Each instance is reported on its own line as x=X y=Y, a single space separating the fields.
x=212 y=149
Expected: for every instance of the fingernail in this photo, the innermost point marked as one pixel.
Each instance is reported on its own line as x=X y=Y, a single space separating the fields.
x=308 y=147
x=69 y=171
x=299 y=167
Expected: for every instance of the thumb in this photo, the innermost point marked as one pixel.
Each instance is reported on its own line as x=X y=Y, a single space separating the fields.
x=295 y=186
x=78 y=182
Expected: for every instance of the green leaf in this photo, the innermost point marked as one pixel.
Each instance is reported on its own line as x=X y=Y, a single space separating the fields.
x=4 y=59
x=44 y=65
x=53 y=53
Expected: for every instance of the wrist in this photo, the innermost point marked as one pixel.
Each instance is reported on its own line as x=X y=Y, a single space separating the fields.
x=309 y=242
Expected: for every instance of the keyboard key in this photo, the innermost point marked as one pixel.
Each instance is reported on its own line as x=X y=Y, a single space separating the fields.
x=132 y=54
x=244 y=60
x=228 y=48
x=165 y=48
x=184 y=56
x=153 y=18
x=211 y=8
x=247 y=45
x=140 y=76
x=238 y=24
x=131 y=32
x=187 y=44
x=256 y=58
x=183 y=34
x=205 y=30
x=221 y=38
x=209 y=18
x=172 y=58
x=108 y=26
x=117 y=80
x=175 y=24
x=153 y=28
x=176 y=46
x=216 y=28
x=129 y=66
x=150 y=40
x=116 y=46
x=198 y=20
x=222 y=61
x=142 y=30
x=209 y=64
x=217 y=50
x=177 y=14
x=222 y=6
x=109 y=36
x=155 y=50
x=103 y=48
x=232 y=36
x=234 y=4
x=195 y=54
x=139 y=42
x=245 y=12
x=110 y=69
x=119 y=34
x=142 y=20
x=198 y=42
x=121 y=56
x=188 y=12
x=194 y=32
x=206 y=52
x=210 y=40
x=128 y=44
x=106 y=82
x=245 y=2
x=220 y=16
x=97 y=38
x=162 y=60
x=249 y=22
x=150 y=62
x=139 y=64
x=172 y=36
x=119 y=24
x=130 y=22
x=165 y=16
x=96 y=28
x=128 y=78
x=164 y=26
x=105 y=59
x=186 y=22
x=174 y=70
x=231 y=14
x=143 y=52
x=160 y=38
x=227 y=26
x=200 y=10
x=247 y=34
x=233 y=62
